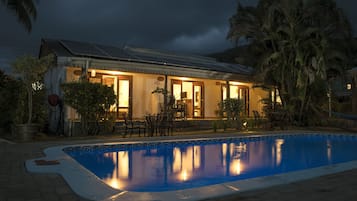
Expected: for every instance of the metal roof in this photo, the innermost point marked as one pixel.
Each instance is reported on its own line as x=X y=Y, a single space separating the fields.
x=68 y=48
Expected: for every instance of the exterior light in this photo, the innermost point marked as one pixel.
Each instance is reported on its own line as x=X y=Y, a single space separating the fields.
x=36 y=86
x=348 y=86
x=245 y=123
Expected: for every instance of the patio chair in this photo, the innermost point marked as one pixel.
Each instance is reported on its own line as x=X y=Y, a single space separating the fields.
x=180 y=110
x=151 y=124
x=257 y=119
x=166 y=123
x=131 y=126
x=120 y=128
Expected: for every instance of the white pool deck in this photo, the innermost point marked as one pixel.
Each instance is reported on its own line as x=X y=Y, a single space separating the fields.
x=89 y=186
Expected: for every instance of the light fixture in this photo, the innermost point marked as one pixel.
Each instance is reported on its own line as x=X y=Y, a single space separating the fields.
x=349 y=86
x=92 y=73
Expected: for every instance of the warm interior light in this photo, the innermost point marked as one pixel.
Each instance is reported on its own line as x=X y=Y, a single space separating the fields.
x=92 y=73
x=237 y=83
x=278 y=144
x=115 y=72
x=184 y=175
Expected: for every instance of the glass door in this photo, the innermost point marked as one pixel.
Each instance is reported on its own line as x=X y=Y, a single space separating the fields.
x=124 y=97
x=189 y=94
x=198 y=99
x=122 y=90
x=111 y=81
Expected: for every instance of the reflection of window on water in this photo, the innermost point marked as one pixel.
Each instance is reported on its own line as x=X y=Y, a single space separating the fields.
x=329 y=146
x=121 y=169
x=235 y=152
x=276 y=151
x=186 y=161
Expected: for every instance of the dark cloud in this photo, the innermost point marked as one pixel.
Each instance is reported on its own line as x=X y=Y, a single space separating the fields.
x=194 y=26
x=141 y=23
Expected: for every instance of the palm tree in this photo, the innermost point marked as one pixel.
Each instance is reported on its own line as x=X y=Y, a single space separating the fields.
x=301 y=42
x=25 y=10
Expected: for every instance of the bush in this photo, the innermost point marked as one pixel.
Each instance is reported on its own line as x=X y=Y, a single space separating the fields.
x=10 y=90
x=91 y=101
x=231 y=109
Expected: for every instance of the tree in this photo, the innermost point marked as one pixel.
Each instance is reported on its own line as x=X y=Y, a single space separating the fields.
x=91 y=101
x=302 y=43
x=31 y=71
x=9 y=92
x=25 y=10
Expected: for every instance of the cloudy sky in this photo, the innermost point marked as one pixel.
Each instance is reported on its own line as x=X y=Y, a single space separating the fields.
x=191 y=26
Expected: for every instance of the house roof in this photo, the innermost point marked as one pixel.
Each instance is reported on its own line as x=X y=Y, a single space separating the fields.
x=68 y=48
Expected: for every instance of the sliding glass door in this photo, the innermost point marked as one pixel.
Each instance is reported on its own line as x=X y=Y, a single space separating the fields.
x=189 y=94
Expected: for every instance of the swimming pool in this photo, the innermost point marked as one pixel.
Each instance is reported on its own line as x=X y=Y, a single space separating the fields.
x=164 y=166
x=221 y=164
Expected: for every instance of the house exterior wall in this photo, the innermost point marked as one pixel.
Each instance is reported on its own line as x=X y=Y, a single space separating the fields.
x=256 y=95
x=53 y=80
x=143 y=100
x=212 y=97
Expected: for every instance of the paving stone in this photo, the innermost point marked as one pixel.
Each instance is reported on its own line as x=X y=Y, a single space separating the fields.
x=70 y=197
x=16 y=198
x=50 y=197
x=63 y=190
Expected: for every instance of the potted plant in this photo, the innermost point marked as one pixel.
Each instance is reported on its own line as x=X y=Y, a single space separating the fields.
x=31 y=71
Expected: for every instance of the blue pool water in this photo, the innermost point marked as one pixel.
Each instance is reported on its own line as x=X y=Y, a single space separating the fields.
x=164 y=166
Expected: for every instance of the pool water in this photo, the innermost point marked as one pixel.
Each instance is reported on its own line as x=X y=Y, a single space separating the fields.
x=165 y=166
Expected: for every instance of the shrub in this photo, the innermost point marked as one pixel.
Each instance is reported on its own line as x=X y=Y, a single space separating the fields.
x=231 y=108
x=10 y=90
x=91 y=101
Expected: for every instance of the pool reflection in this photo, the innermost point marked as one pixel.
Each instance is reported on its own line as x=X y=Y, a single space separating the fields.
x=187 y=165
x=176 y=166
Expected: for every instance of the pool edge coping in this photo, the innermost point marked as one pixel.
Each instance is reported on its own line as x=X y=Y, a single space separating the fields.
x=94 y=188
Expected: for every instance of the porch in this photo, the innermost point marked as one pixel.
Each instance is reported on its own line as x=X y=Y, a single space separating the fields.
x=179 y=126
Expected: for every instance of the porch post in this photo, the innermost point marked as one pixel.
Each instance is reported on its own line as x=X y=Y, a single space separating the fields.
x=354 y=93
x=228 y=89
x=165 y=94
x=84 y=74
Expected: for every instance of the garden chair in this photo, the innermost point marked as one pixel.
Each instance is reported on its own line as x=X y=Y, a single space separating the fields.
x=131 y=126
x=257 y=119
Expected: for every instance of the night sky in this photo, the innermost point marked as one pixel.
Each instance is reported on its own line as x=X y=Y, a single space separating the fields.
x=190 y=26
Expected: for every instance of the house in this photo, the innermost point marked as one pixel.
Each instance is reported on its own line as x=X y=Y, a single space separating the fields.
x=198 y=82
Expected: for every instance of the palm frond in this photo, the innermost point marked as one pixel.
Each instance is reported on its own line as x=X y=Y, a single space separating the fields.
x=25 y=10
